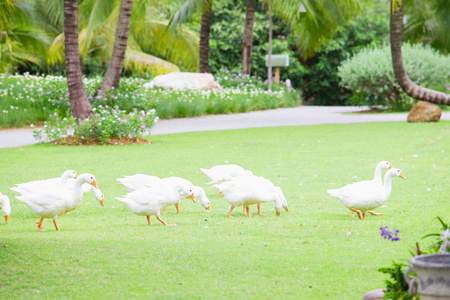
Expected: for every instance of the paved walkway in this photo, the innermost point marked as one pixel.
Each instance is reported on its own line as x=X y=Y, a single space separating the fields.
x=303 y=115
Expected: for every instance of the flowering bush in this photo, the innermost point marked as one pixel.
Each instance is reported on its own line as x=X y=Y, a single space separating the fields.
x=106 y=123
x=396 y=286
x=231 y=80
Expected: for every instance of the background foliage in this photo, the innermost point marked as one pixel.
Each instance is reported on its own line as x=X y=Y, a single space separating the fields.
x=369 y=74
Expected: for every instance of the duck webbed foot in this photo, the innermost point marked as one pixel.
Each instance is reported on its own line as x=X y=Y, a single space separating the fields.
x=39 y=225
x=159 y=219
x=362 y=216
x=374 y=213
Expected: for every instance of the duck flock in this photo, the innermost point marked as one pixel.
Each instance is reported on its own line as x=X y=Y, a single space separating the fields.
x=150 y=195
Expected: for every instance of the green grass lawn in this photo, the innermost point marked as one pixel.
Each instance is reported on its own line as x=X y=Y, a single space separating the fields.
x=315 y=251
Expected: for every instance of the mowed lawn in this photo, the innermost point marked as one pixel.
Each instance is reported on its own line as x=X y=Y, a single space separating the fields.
x=314 y=251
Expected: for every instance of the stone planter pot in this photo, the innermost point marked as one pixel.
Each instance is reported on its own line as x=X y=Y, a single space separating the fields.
x=433 y=277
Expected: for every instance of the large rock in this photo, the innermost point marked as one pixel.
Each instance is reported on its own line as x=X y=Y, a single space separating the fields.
x=424 y=111
x=184 y=81
x=377 y=294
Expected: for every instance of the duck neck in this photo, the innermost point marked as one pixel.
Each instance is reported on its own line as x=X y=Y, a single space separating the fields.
x=377 y=177
x=5 y=205
x=78 y=189
x=387 y=187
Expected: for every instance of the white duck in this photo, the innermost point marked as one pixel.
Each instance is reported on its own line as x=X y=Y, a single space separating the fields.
x=252 y=190
x=6 y=206
x=377 y=181
x=139 y=181
x=52 y=183
x=364 y=198
x=149 y=201
x=135 y=182
x=199 y=192
x=55 y=202
x=221 y=173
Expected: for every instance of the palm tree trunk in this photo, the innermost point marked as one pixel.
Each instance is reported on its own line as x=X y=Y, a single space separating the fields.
x=410 y=88
x=247 y=38
x=204 y=36
x=79 y=104
x=269 y=65
x=114 y=71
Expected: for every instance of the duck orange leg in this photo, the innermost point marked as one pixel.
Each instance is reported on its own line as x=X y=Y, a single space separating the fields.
x=259 y=208
x=39 y=225
x=357 y=211
x=56 y=225
x=231 y=209
x=243 y=211
x=374 y=213
x=148 y=221
x=352 y=214
x=159 y=219
x=178 y=208
x=164 y=211
x=248 y=212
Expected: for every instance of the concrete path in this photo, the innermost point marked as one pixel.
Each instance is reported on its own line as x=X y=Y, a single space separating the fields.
x=303 y=115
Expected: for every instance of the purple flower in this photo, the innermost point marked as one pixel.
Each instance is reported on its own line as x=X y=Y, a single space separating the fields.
x=67 y=95
x=448 y=88
x=99 y=96
x=390 y=235
x=242 y=83
x=99 y=91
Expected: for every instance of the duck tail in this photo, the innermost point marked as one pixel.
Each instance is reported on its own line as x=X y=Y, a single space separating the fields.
x=17 y=189
x=121 y=199
x=333 y=192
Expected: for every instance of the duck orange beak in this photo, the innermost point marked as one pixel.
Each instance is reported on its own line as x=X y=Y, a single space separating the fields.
x=220 y=194
x=6 y=219
x=402 y=176
x=94 y=183
x=102 y=202
x=390 y=166
x=192 y=197
x=208 y=208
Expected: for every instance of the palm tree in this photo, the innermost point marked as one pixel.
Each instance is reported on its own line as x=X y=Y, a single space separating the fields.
x=79 y=104
x=204 y=36
x=247 y=37
x=188 y=9
x=114 y=71
x=410 y=88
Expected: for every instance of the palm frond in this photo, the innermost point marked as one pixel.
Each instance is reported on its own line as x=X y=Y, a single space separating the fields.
x=188 y=9
x=180 y=48
x=143 y=63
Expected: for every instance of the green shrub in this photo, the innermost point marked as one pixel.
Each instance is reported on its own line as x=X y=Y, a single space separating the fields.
x=105 y=124
x=33 y=99
x=370 y=76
